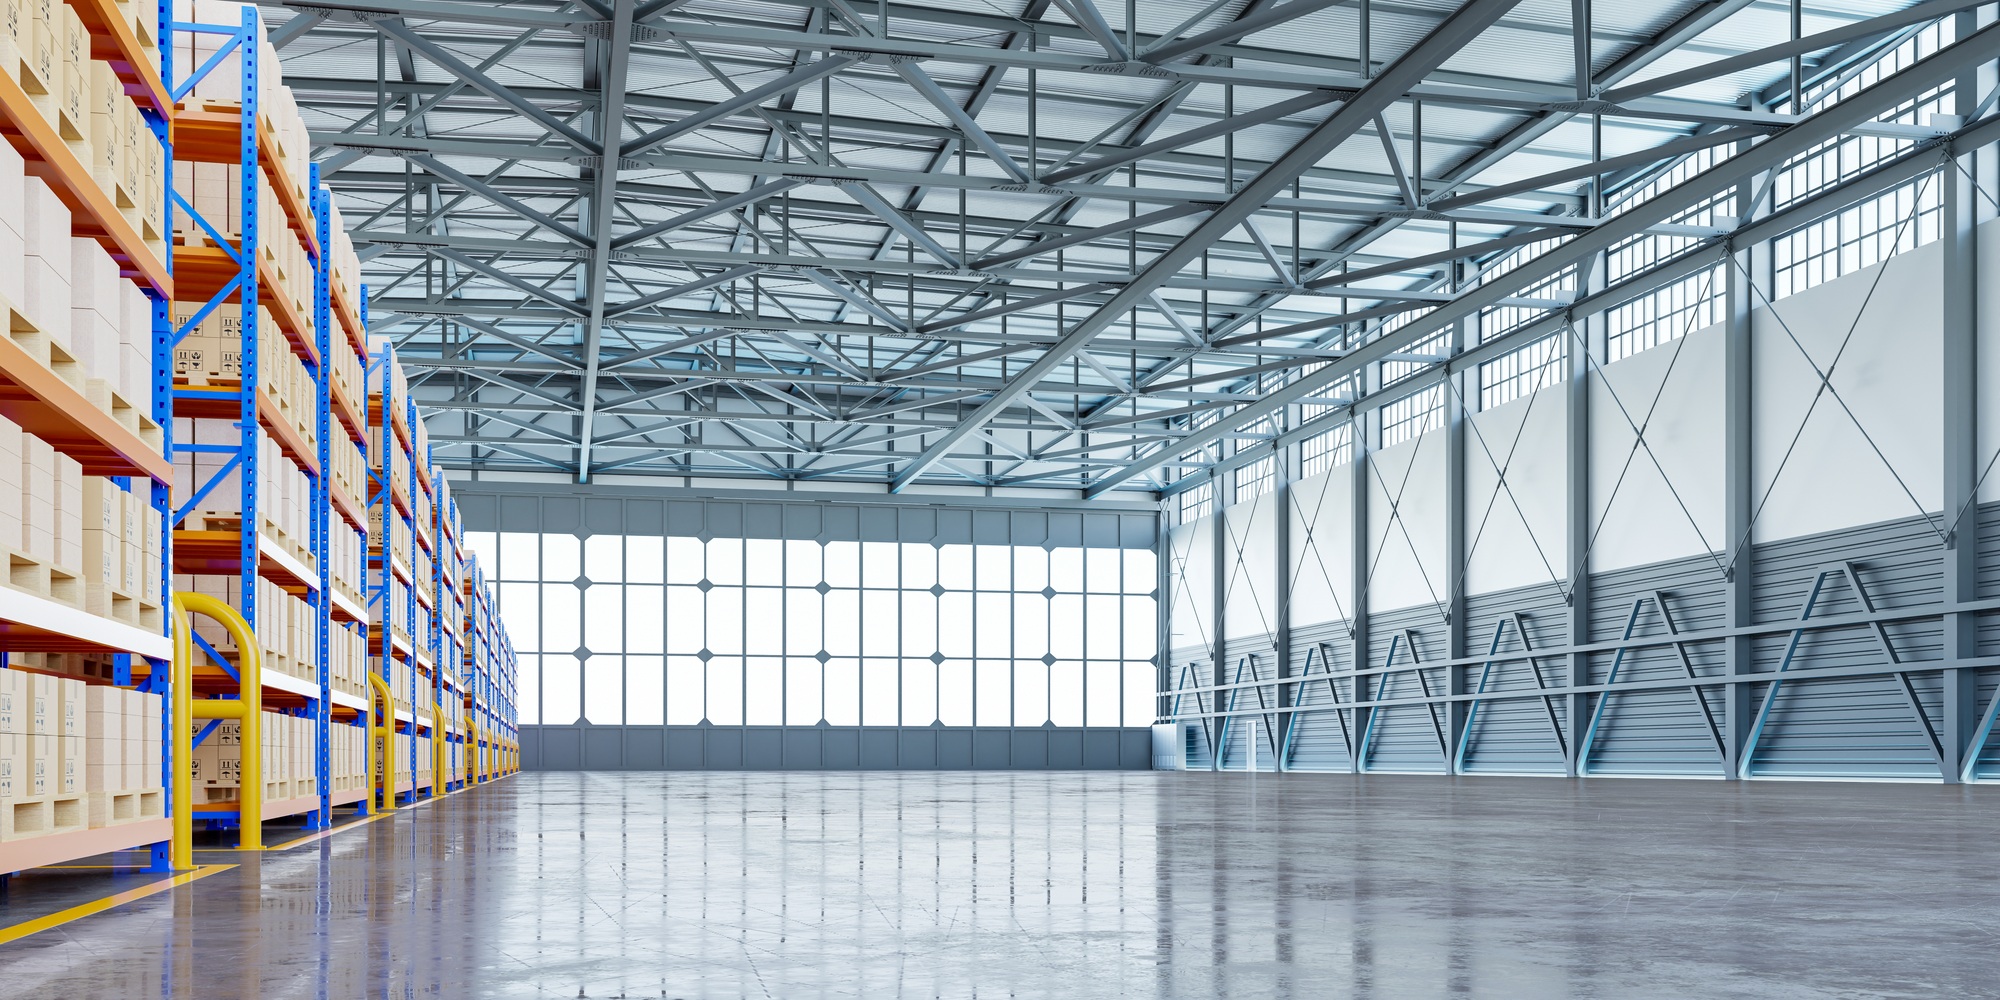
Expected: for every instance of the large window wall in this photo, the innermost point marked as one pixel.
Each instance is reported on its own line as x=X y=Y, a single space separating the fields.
x=650 y=629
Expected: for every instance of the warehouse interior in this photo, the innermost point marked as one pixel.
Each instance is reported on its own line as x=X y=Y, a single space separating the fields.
x=1183 y=498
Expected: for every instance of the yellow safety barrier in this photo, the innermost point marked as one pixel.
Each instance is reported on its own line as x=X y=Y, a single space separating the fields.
x=247 y=709
x=440 y=774
x=384 y=729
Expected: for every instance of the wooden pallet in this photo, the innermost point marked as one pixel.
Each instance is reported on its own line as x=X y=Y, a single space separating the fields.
x=43 y=578
x=212 y=794
x=41 y=816
x=28 y=335
x=106 y=601
x=104 y=809
x=103 y=395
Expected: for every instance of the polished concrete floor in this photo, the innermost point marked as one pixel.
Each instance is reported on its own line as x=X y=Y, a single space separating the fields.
x=1076 y=885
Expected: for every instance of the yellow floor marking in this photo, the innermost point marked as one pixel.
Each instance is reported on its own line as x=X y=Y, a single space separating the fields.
x=309 y=838
x=40 y=924
x=323 y=834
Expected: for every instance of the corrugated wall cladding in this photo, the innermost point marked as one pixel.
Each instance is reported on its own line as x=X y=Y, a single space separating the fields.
x=1843 y=709
x=1661 y=730
x=1321 y=736
x=1986 y=529
x=1861 y=726
x=1405 y=738
x=515 y=507
x=1986 y=765
x=1507 y=734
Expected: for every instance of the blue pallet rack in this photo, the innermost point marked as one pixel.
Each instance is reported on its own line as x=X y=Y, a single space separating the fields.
x=383 y=563
x=318 y=699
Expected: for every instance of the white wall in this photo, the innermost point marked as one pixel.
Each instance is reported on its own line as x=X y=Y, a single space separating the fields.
x=1322 y=547
x=1891 y=379
x=1989 y=362
x=1640 y=521
x=1250 y=568
x=1514 y=536
x=1406 y=511
x=1191 y=578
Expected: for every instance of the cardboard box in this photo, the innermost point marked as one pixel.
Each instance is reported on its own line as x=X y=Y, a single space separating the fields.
x=69 y=774
x=44 y=705
x=69 y=514
x=42 y=765
x=13 y=767
x=72 y=718
x=45 y=223
x=15 y=719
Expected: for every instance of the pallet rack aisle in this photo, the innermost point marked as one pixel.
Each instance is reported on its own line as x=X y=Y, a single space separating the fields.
x=436 y=646
x=392 y=549
x=82 y=404
x=187 y=389
x=258 y=522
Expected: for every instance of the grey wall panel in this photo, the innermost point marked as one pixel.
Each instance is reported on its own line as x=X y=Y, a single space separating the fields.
x=1986 y=764
x=645 y=749
x=917 y=750
x=771 y=748
x=1656 y=732
x=1403 y=738
x=840 y=749
x=1850 y=726
x=1860 y=723
x=954 y=750
x=1320 y=736
x=1508 y=735
x=603 y=749
x=763 y=749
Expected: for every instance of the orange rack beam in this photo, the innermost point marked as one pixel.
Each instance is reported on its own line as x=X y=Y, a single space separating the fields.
x=49 y=158
x=349 y=414
x=350 y=319
x=112 y=40
x=219 y=553
x=214 y=136
x=202 y=271
x=348 y=506
x=55 y=411
x=221 y=402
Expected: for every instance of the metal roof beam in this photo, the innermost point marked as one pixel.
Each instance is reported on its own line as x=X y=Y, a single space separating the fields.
x=1270 y=17
x=610 y=129
x=1454 y=33
x=1880 y=24
x=485 y=84
x=1819 y=127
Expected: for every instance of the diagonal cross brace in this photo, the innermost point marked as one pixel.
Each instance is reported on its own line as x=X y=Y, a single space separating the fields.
x=1444 y=41
x=1852 y=572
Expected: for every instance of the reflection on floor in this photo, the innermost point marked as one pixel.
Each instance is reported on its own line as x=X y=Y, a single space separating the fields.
x=1076 y=885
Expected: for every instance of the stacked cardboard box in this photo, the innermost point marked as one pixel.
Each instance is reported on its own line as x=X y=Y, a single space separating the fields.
x=344 y=551
x=286 y=626
x=348 y=660
x=348 y=468
x=89 y=326
x=402 y=746
x=284 y=492
x=397 y=461
x=211 y=353
x=215 y=189
x=122 y=754
x=121 y=552
x=287 y=753
x=75 y=755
